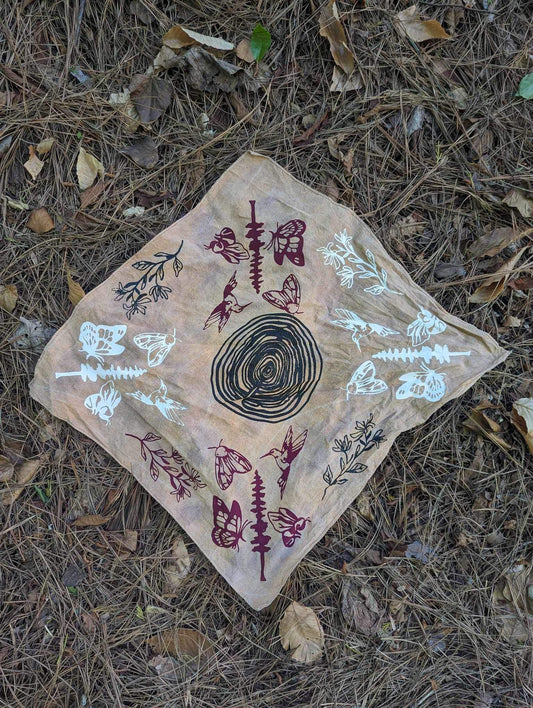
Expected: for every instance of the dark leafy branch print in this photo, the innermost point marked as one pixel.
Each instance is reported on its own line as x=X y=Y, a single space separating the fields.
x=365 y=436
x=183 y=478
x=138 y=294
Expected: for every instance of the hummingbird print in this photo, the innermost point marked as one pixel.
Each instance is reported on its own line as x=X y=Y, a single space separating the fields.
x=229 y=304
x=168 y=408
x=286 y=456
x=358 y=327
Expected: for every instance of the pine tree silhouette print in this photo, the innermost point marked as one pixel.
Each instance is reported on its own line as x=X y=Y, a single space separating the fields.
x=260 y=540
x=255 y=230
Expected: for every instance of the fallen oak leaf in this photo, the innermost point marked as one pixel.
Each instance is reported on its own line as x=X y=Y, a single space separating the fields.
x=149 y=199
x=179 y=37
x=45 y=146
x=205 y=72
x=495 y=241
x=524 y=284
x=91 y=520
x=90 y=195
x=522 y=419
x=75 y=291
x=165 y=59
x=124 y=105
x=33 y=165
x=40 y=221
x=127 y=540
x=360 y=608
x=495 y=284
x=7 y=469
x=516 y=198
x=143 y=152
x=300 y=630
x=88 y=168
x=341 y=82
x=180 y=641
x=244 y=51
x=483 y=425
x=332 y=29
x=178 y=567
x=24 y=473
x=150 y=96
x=417 y=29
x=8 y=297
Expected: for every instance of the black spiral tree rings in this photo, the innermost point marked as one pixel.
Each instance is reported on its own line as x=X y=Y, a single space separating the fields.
x=268 y=369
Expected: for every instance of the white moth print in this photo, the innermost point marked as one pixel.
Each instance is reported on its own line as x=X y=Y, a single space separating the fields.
x=426 y=324
x=104 y=402
x=428 y=384
x=168 y=408
x=157 y=345
x=364 y=381
x=358 y=327
x=101 y=340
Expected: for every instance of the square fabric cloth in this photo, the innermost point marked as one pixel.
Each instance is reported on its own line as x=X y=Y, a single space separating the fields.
x=252 y=365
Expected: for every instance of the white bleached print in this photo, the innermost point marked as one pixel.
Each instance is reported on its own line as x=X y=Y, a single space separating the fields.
x=428 y=384
x=104 y=402
x=364 y=381
x=168 y=407
x=99 y=340
x=426 y=324
x=157 y=345
x=358 y=327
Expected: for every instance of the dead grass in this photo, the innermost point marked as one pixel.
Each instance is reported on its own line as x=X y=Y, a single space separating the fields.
x=59 y=649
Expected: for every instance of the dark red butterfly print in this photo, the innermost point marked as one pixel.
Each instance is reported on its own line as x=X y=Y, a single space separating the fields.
x=288 y=524
x=227 y=463
x=227 y=245
x=227 y=524
x=288 y=241
x=288 y=298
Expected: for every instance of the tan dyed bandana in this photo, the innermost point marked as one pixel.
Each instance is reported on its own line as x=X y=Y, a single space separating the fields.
x=253 y=364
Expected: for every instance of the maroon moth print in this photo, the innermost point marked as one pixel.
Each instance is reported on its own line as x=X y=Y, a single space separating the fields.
x=229 y=304
x=183 y=478
x=260 y=540
x=227 y=463
x=288 y=524
x=255 y=230
x=288 y=241
x=288 y=298
x=227 y=245
x=285 y=457
x=227 y=524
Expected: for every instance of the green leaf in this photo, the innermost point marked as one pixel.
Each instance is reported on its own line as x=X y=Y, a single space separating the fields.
x=72 y=590
x=45 y=498
x=260 y=42
x=139 y=612
x=525 y=89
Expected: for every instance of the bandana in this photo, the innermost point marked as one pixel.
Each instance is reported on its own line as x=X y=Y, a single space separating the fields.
x=252 y=365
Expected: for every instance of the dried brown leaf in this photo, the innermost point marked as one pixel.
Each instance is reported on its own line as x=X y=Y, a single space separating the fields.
x=178 y=567
x=149 y=199
x=244 y=51
x=151 y=96
x=45 y=146
x=306 y=136
x=88 y=168
x=7 y=469
x=517 y=198
x=124 y=105
x=8 y=297
x=495 y=241
x=91 y=520
x=300 y=630
x=33 y=165
x=524 y=284
x=522 y=419
x=241 y=110
x=90 y=195
x=179 y=37
x=190 y=642
x=127 y=540
x=40 y=221
x=24 y=473
x=166 y=59
x=332 y=29
x=31 y=334
x=75 y=291
x=416 y=28
x=512 y=321
x=492 y=287
x=483 y=425
x=143 y=152
x=205 y=72
x=360 y=608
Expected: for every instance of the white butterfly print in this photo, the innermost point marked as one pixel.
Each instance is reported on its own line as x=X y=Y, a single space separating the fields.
x=364 y=381
x=428 y=384
x=101 y=340
x=358 y=327
x=158 y=345
x=169 y=408
x=103 y=404
x=426 y=324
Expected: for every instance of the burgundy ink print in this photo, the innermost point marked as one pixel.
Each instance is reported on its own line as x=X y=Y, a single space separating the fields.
x=154 y=273
x=255 y=230
x=227 y=524
x=288 y=242
x=288 y=524
x=286 y=456
x=227 y=463
x=182 y=477
x=288 y=298
x=227 y=245
x=222 y=312
x=260 y=540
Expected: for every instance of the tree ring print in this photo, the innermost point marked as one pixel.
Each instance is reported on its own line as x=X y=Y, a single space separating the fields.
x=268 y=369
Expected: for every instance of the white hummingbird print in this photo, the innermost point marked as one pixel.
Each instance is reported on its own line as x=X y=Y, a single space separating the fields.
x=169 y=408
x=358 y=327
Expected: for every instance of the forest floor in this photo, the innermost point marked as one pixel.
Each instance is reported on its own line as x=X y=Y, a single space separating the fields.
x=425 y=151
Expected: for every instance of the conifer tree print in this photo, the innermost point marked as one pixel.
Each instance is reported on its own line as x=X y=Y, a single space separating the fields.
x=260 y=540
x=255 y=230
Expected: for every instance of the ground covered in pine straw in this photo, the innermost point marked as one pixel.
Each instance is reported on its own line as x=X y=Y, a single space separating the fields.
x=427 y=166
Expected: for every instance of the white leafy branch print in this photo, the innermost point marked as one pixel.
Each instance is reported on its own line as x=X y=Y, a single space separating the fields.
x=349 y=265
